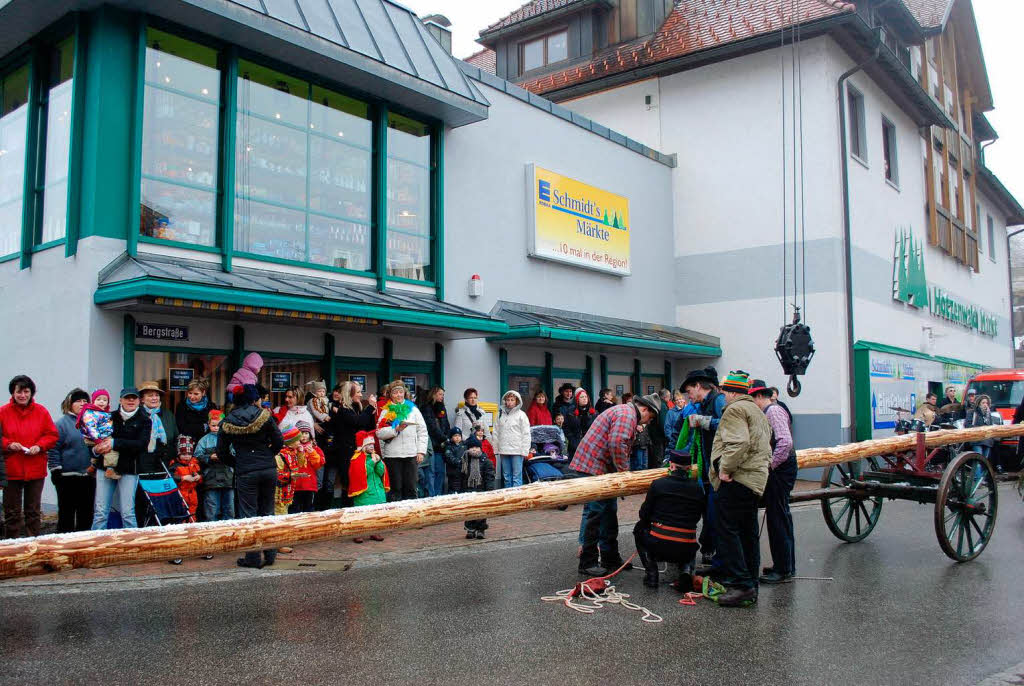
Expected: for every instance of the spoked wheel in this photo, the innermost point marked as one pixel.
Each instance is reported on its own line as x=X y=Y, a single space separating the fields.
x=966 y=506
x=849 y=518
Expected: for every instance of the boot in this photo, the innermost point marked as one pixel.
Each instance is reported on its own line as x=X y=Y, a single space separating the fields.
x=684 y=578
x=738 y=597
x=650 y=569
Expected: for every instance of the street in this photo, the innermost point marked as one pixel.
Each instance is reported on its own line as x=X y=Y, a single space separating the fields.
x=898 y=611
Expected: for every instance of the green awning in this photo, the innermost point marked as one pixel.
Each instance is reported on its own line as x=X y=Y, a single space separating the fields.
x=163 y=283
x=527 y=323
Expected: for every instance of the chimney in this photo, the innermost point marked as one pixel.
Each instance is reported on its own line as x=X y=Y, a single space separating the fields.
x=441 y=29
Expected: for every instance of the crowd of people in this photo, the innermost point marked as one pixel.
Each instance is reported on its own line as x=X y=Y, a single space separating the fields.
x=975 y=409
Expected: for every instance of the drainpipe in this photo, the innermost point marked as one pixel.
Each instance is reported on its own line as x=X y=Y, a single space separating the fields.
x=844 y=160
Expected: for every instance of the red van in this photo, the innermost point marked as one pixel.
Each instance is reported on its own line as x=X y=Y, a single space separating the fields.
x=1006 y=388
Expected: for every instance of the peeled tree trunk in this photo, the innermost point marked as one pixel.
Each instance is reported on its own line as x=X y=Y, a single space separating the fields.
x=92 y=549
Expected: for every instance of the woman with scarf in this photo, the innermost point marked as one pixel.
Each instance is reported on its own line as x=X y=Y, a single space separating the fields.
x=193 y=416
x=161 y=448
x=133 y=430
x=470 y=413
x=578 y=419
x=353 y=415
x=403 y=435
x=436 y=417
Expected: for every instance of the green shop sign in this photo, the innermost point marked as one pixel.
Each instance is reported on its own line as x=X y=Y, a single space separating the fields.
x=910 y=286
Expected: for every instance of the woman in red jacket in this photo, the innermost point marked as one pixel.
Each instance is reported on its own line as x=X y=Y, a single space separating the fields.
x=28 y=432
x=539 y=413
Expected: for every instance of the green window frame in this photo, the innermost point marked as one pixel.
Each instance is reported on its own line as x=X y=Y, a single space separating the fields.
x=32 y=187
x=368 y=229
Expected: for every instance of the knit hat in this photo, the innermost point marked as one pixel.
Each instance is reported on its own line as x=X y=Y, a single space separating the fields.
x=250 y=394
x=651 y=402
x=315 y=386
x=455 y=431
x=97 y=393
x=185 y=445
x=576 y=394
x=737 y=382
x=215 y=416
x=292 y=435
x=366 y=439
x=78 y=394
x=303 y=425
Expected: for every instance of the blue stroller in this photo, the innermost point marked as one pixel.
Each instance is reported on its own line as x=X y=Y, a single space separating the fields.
x=165 y=504
x=550 y=461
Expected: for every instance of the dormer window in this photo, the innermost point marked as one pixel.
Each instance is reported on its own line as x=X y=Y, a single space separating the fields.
x=548 y=49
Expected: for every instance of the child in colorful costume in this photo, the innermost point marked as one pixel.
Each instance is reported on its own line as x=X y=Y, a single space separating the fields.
x=187 y=474
x=287 y=470
x=368 y=482
x=96 y=424
x=309 y=458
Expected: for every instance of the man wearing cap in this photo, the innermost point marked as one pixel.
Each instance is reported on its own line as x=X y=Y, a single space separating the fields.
x=667 y=530
x=606 y=448
x=739 y=471
x=132 y=429
x=701 y=385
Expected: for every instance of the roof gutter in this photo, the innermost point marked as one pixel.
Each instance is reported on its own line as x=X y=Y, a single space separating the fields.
x=844 y=161
x=559 y=334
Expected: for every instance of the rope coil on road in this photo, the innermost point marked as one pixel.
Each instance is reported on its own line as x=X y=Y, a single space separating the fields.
x=598 y=600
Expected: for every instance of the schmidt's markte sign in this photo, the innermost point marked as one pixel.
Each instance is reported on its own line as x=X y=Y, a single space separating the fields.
x=910 y=286
x=577 y=224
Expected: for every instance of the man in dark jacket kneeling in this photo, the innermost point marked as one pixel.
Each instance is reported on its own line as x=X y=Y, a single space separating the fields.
x=667 y=530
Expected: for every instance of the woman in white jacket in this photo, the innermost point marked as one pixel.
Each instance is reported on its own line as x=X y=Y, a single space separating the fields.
x=512 y=439
x=402 y=433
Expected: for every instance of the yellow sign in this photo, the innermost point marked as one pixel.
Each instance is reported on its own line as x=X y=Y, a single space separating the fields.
x=577 y=224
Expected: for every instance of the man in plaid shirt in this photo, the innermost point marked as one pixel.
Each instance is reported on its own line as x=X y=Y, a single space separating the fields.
x=605 y=448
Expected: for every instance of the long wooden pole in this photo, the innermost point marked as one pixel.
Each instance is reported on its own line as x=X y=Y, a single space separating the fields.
x=61 y=552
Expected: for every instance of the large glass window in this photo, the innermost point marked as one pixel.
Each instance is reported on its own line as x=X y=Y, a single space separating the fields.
x=302 y=171
x=180 y=140
x=56 y=108
x=155 y=366
x=13 y=132
x=408 y=185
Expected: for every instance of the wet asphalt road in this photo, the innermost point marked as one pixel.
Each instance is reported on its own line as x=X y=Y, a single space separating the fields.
x=898 y=612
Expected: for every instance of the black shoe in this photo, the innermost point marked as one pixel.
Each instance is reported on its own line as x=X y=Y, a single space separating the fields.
x=562 y=508
x=1000 y=470
x=269 y=561
x=614 y=564
x=650 y=570
x=175 y=561
x=684 y=578
x=242 y=563
x=470 y=534
x=479 y=534
x=767 y=570
x=774 y=577
x=591 y=570
x=738 y=597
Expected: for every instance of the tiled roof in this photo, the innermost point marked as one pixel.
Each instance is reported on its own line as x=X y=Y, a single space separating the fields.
x=693 y=26
x=929 y=13
x=528 y=11
x=486 y=59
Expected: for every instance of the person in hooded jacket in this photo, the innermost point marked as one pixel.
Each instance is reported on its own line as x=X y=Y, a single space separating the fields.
x=71 y=470
x=249 y=441
x=193 y=416
x=28 y=432
x=247 y=374
x=512 y=439
x=438 y=427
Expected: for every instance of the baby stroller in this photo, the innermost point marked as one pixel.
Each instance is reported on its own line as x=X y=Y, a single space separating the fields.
x=165 y=504
x=549 y=461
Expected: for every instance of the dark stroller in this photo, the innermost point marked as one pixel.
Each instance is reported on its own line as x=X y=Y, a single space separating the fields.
x=165 y=504
x=550 y=461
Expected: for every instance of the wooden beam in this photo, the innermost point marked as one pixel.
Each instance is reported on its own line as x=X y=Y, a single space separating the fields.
x=92 y=549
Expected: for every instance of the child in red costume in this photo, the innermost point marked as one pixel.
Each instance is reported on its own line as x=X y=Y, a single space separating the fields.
x=310 y=458
x=287 y=472
x=187 y=474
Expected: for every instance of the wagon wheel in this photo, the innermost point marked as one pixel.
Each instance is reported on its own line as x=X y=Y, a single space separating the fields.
x=849 y=518
x=966 y=506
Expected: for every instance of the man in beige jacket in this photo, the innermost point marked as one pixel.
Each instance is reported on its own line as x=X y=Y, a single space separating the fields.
x=739 y=471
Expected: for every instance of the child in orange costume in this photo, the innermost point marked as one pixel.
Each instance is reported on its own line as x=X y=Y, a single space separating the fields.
x=287 y=472
x=187 y=474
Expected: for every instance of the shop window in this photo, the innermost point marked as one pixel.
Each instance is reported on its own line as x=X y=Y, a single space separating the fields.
x=279 y=374
x=543 y=51
x=302 y=172
x=180 y=140
x=889 y=152
x=155 y=366
x=13 y=134
x=855 y=112
x=55 y=141
x=409 y=240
